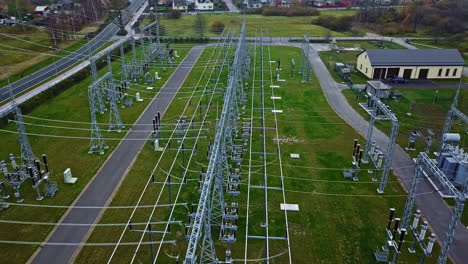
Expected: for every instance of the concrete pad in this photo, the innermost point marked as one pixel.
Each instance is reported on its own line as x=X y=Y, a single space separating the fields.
x=289 y=207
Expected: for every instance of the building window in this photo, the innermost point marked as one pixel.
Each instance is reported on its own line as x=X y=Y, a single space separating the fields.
x=365 y=57
x=440 y=72
x=360 y=67
x=366 y=70
x=455 y=72
x=447 y=72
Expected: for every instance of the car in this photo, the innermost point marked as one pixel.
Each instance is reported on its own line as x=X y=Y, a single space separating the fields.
x=399 y=80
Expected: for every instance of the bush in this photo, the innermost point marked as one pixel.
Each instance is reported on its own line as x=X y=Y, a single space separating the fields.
x=175 y=14
x=343 y=23
x=217 y=27
x=254 y=11
x=289 y=11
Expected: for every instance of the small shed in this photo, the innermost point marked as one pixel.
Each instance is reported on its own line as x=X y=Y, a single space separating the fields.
x=378 y=88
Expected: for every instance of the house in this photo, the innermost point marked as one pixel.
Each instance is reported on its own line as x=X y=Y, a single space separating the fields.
x=41 y=11
x=179 y=5
x=258 y=3
x=204 y=5
x=411 y=63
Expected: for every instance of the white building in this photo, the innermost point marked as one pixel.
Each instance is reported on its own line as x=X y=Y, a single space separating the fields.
x=204 y=5
x=411 y=63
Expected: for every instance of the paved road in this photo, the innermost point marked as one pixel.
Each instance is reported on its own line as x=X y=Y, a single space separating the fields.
x=432 y=206
x=112 y=172
x=45 y=73
x=232 y=8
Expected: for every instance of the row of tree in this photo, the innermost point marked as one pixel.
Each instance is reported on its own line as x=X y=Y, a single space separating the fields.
x=439 y=17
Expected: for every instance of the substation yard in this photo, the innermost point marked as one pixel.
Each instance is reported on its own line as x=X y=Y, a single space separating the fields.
x=60 y=128
x=339 y=220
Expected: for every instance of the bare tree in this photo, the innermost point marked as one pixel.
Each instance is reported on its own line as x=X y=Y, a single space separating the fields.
x=200 y=25
x=117 y=11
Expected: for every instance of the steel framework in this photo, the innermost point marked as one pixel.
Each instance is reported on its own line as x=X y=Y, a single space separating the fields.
x=224 y=127
x=425 y=165
x=27 y=155
x=306 y=68
x=105 y=82
x=379 y=110
x=452 y=113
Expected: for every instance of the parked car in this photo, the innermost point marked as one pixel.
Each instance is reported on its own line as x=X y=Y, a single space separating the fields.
x=399 y=80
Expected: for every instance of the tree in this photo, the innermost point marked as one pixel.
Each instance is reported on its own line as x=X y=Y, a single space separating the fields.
x=200 y=25
x=117 y=11
x=415 y=11
x=175 y=14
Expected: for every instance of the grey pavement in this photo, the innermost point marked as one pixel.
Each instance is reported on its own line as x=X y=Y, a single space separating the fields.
x=232 y=8
x=101 y=188
x=426 y=84
x=432 y=206
x=59 y=66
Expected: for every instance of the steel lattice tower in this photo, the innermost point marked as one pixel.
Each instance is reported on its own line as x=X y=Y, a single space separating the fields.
x=97 y=142
x=115 y=122
x=216 y=166
x=27 y=155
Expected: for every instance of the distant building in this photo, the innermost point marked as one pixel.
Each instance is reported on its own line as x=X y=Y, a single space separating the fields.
x=411 y=64
x=41 y=11
x=258 y=3
x=179 y=5
x=204 y=5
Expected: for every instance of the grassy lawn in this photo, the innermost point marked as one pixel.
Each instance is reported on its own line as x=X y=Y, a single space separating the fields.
x=277 y=26
x=63 y=153
x=350 y=57
x=339 y=221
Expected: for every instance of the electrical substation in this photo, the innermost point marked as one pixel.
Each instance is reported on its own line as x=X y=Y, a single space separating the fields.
x=225 y=150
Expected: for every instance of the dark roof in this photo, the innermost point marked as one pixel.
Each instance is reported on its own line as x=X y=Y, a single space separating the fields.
x=415 y=57
x=180 y=2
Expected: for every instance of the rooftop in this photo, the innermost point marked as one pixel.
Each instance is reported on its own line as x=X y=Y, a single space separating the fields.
x=415 y=57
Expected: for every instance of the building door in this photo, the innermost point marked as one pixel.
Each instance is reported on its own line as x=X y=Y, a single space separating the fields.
x=392 y=73
x=407 y=73
x=423 y=73
x=379 y=73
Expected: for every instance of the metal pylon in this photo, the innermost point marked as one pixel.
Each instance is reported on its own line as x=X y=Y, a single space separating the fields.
x=115 y=122
x=27 y=155
x=134 y=58
x=97 y=142
x=450 y=235
x=412 y=193
x=208 y=251
x=305 y=65
x=92 y=64
x=124 y=70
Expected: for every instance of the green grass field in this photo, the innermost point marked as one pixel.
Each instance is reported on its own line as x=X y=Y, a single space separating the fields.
x=277 y=26
x=339 y=221
x=63 y=153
